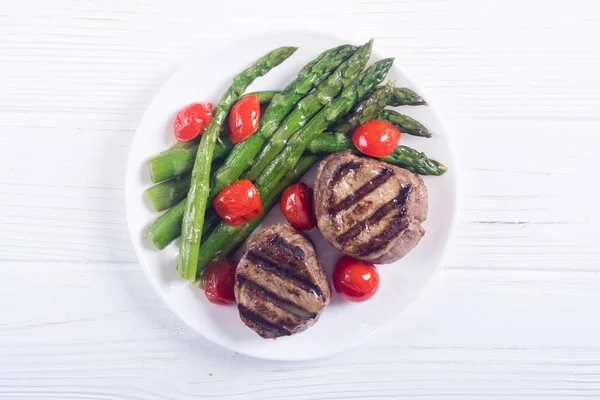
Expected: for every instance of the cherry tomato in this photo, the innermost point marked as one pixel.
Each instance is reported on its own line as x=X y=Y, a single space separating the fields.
x=376 y=138
x=238 y=203
x=219 y=281
x=243 y=118
x=355 y=280
x=191 y=120
x=297 y=206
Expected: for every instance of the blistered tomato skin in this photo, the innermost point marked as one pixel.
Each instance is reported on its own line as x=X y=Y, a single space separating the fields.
x=219 y=282
x=244 y=118
x=355 y=280
x=238 y=203
x=192 y=120
x=376 y=138
x=297 y=206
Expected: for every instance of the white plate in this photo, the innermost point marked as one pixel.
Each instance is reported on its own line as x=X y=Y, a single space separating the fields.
x=342 y=325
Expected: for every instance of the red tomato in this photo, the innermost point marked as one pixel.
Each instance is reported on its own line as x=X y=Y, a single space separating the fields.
x=355 y=280
x=191 y=120
x=376 y=138
x=219 y=281
x=243 y=118
x=238 y=203
x=297 y=206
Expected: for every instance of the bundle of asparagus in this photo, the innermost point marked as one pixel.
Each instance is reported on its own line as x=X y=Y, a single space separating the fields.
x=332 y=92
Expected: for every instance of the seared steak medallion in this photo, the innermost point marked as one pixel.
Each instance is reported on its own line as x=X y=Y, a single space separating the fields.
x=280 y=286
x=369 y=209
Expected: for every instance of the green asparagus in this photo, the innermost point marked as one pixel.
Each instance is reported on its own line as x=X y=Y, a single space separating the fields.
x=310 y=76
x=167 y=193
x=402 y=156
x=405 y=97
x=179 y=159
x=264 y=96
x=329 y=115
x=309 y=106
x=404 y=123
x=366 y=109
x=164 y=229
x=225 y=238
x=193 y=218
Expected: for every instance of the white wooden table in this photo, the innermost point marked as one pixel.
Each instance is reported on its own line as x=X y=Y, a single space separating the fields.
x=515 y=312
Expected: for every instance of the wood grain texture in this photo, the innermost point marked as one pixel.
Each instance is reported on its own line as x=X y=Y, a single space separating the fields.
x=513 y=315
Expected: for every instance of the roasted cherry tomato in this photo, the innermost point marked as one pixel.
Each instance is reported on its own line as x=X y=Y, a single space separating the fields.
x=238 y=203
x=243 y=118
x=219 y=281
x=191 y=121
x=376 y=138
x=297 y=206
x=355 y=280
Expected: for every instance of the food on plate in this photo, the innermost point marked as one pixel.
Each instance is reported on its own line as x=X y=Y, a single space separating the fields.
x=292 y=153
x=376 y=138
x=355 y=280
x=405 y=97
x=366 y=109
x=310 y=105
x=191 y=121
x=217 y=187
x=198 y=196
x=168 y=193
x=224 y=238
x=299 y=142
x=373 y=108
x=280 y=285
x=219 y=281
x=402 y=156
x=243 y=118
x=310 y=76
x=179 y=159
x=404 y=123
x=368 y=209
x=296 y=204
x=264 y=96
x=238 y=203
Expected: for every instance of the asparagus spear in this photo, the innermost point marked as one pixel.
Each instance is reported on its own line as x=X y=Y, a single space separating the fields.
x=402 y=156
x=309 y=106
x=405 y=97
x=167 y=227
x=179 y=159
x=310 y=76
x=404 y=123
x=366 y=109
x=167 y=193
x=193 y=218
x=226 y=238
x=264 y=96
x=330 y=114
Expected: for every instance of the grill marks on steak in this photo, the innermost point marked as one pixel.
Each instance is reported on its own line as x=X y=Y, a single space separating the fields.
x=397 y=203
x=395 y=208
x=280 y=285
x=354 y=197
x=369 y=209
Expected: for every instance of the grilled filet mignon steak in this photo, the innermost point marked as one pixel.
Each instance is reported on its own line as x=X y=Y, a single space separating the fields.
x=280 y=286
x=369 y=209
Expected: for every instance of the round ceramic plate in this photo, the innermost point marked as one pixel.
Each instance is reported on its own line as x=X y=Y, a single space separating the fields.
x=342 y=325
